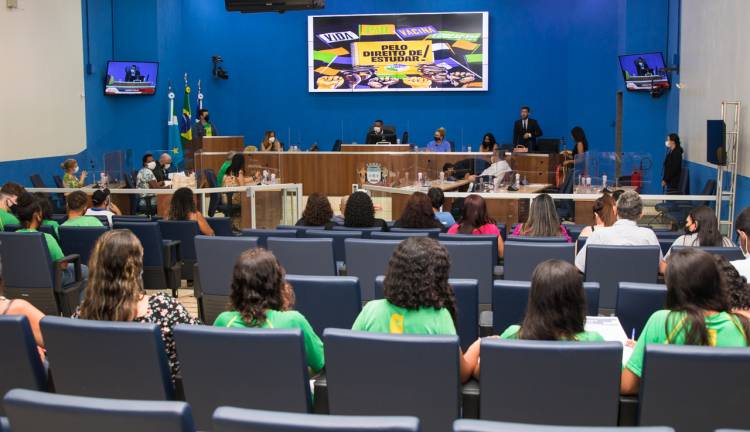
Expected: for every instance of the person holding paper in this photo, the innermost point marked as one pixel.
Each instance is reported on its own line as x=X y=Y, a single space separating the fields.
x=526 y=130
x=698 y=312
x=556 y=309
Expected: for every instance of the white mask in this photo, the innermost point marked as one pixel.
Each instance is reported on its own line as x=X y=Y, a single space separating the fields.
x=271 y=139
x=666 y=143
x=76 y=170
x=151 y=165
x=376 y=129
x=166 y=166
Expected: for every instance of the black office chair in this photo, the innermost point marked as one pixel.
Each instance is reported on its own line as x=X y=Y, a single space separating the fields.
x=185 y=233
x=327 y=301
x=521 y=258
x=80 y=240
x=610 y=265
x=636 y=302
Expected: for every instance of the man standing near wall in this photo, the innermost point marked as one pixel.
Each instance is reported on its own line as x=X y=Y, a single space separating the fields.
x=526 y=130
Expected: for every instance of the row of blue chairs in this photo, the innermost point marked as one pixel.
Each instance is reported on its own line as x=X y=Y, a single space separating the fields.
x=560 y=383
x=34 y=411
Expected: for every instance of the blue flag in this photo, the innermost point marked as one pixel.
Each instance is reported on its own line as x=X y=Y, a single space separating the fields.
x=174 y=143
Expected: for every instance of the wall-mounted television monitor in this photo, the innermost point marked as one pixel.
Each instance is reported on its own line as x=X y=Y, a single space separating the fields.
x=644 y=72
x=131 y=78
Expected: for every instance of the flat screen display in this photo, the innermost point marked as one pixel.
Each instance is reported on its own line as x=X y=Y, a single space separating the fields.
x=131 y=78
x=644 y=72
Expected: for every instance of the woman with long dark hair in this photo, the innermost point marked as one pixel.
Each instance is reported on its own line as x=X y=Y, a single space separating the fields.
x=418 y=298
x=698 y=312
x=672 y=165
x=701 y=229
x=476 y=220
x=360 y=212
x=182 y=208
x=261 y=297
x=418 y=213
x=318 y=211
x=735 y=285
x=580 y=143
x=543 y=220
x=556 y=308
x=488 y=143
x=115 y=291
x=605 y=214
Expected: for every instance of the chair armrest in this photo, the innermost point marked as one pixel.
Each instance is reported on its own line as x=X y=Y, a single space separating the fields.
x=485 y=323
x=320 y=394
x=470 y=399
x=498 y=272
x=170 y=245
x=75 y=259
x=197 y=282
x=628 y=415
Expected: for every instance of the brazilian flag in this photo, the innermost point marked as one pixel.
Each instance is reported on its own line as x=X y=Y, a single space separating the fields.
x=186 y=133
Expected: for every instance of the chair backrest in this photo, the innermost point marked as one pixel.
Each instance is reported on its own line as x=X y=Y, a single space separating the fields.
x=491 y=426
x=473 y=260
x=520 y=376
x=304 y=256
x=432 y=232
x=467 y=307
x=58 y=181
x=149 y=233
x=300 y=229
x=678 y=381
x=216 y=257
x=80 y=240
x=338 y=237
x=521 y=258
x=730 y=253
x=185 y=232
x=367 y=259
x=574 y=230
x=636 y=302
x=665 y=244
x=214 y=198
x=472 y=237
x=31 y=411
x=580 y=242
x=20 y=363
x=396 y=235
x=130 y=218
x=12 y=227
x=364 y=379
x=668 y=235
x=263 y=234
x=48 y=229
x=102 y=218
x=36 y=181
x=121 y=360
x=247 y=368
x=222 y=226
x=327 y=301
x=227 y=419
x=530 y=239
x=365 y=231
x=29 y=274
x=510 y=298
x=610 y=265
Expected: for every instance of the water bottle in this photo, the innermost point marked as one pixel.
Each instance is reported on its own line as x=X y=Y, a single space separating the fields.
x=604 y=181
x=398 y=140
x=518 y=181
x=273 y=178
x=469 y=148
x=419 y=178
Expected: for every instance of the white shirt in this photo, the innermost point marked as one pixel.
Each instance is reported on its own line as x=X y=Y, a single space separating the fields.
x=743 y=267
x=497 y=169
x=96 y=212
x=623 y=233
x=692 y=240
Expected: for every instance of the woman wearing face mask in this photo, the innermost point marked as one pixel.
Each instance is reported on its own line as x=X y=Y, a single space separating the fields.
x=147 y=180
x=270 y=143
x=701 y=229
x=439 y=143
x=672 y=165
x=70 y=180
x=742 y=225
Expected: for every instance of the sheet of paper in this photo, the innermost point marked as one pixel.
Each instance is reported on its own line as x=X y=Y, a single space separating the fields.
x=611 y=330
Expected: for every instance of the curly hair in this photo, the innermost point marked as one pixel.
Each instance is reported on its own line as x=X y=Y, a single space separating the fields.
x=46 y=205
x=182 y=205
x=734 y=284
x=359 y=211
x=115 y=285
x=258 y=285
x=418 y=213
x=25 y=208
x=417 y=276
x=318 y=211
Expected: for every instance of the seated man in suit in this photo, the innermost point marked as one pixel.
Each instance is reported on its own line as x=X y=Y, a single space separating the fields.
x=526 y=130
x=133 y=74
x=378 y=132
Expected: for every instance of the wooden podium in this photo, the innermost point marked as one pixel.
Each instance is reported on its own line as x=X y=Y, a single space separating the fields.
x=216 y=144
x=361 y=148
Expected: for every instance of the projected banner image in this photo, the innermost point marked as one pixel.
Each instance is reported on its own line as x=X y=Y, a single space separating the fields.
x=405 y=52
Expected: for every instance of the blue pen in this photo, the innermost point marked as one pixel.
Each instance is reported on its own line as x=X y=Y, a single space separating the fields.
x=632 y=334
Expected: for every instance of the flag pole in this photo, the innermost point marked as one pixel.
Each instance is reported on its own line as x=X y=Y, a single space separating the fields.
x=200 y=96
x=172 y=117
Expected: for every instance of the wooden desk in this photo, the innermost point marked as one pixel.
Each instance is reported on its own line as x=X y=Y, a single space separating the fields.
x=358 y=148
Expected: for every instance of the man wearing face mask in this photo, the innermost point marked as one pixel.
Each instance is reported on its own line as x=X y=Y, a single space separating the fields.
x=378 y=132
x=6 y=217
x=742 y=225
x=672 y=165
x=163 y=168
x=439 y=143
x=147 y=180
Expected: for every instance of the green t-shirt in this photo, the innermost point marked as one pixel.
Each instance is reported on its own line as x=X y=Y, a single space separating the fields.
x=209 y=129
x=380 y=316
x=222 y=171
x=724 y=330
x=283 y=320
x=586 y=336
x=8 y=218
x=55 y=226
x=83 y=221
x=54 y=249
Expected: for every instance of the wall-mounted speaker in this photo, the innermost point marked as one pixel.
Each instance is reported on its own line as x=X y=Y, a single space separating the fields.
x=716 y=145
x=251 y=6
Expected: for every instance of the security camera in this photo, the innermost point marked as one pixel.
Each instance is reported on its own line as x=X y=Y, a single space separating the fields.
x=218 y=71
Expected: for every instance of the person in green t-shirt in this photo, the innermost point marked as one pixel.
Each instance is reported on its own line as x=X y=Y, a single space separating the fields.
x=29 y=212
x=698 y=313
x=6 y=217
x=77 y=202
x=261 y=297
x=223 y=170
x=418 y=298
x=556 y=308
x=47 y=212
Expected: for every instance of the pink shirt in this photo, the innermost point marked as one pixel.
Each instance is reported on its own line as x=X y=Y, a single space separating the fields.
x=563 y=232
x=484 y=229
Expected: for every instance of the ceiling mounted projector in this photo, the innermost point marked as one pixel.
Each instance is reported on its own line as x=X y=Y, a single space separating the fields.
x=251 y=6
